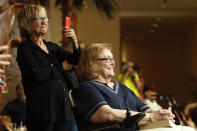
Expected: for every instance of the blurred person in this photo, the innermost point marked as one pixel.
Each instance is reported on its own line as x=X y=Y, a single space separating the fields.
x=191 y=113
x=5 y=4
x=5 y=124
x=40 y=63
x=100 y=100
x=130 y=77
x=16 y=108
x=4 y=58
x=150 y=96
x=4 y=61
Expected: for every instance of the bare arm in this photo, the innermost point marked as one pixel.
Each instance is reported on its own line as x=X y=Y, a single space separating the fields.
x=105 y=114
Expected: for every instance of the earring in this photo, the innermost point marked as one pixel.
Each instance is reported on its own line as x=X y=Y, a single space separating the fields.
x=94 y=76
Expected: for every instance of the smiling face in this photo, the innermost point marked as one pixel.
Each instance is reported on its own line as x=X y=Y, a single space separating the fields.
x=105 y=65
x=40 y=23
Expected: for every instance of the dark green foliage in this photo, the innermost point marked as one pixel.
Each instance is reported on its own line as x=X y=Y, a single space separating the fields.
x=58 y=2
x=106 y=6
x=78 y=4
x=41 y=2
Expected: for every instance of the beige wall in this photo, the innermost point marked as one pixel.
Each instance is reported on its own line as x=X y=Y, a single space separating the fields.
x=192 y=62
x=55 y=23
x=93 y=28
x=192 y=50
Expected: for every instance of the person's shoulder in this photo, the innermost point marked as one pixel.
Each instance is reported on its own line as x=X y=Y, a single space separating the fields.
x=24 y=44
x=87 y=86
x=27 y=44
x=50 y=43
x=119 y=83
x=11 y=103
x=85 y=83
x=84 y=87
x=124 y=87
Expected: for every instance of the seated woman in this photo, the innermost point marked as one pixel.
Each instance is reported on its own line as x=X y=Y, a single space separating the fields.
x=99 y=99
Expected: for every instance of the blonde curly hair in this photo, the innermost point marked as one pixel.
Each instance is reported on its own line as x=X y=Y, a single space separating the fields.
x=87 y=67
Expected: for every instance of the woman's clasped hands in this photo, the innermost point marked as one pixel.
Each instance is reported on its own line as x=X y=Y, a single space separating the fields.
x=164 y=114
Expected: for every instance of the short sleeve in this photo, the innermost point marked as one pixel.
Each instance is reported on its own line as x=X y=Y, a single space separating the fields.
x=88 y=100
x=141 y=106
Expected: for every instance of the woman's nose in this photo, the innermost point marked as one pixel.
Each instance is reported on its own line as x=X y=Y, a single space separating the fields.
x=43 y=22
x=112 y=63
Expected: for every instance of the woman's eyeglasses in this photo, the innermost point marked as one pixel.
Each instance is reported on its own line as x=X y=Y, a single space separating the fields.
x=40 y=19
x=108 y=60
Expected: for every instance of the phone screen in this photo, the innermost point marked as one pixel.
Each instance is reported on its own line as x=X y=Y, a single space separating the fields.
x=67 y=22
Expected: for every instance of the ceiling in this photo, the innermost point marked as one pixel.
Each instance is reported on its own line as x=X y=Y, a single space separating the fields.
x=138 y=16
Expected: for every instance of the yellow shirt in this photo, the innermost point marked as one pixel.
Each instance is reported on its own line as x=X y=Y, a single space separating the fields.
x=130 y=84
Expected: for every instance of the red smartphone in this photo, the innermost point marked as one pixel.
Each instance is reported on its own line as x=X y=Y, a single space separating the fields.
x=67 y=22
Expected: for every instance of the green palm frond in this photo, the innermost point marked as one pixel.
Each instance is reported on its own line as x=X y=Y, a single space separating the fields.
x=41 y=2
x=78 y=4
x=58 y=2
x=106 y=7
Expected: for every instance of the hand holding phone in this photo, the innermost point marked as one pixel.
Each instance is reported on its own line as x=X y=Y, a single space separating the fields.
x=69 y=33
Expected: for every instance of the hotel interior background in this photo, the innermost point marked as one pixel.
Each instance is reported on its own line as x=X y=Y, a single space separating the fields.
x=158 y=35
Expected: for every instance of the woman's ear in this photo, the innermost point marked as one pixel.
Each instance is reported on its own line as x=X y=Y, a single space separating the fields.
x=94 y=76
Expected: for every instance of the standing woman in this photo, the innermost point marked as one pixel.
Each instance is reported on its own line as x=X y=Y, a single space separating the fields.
x=40 y=63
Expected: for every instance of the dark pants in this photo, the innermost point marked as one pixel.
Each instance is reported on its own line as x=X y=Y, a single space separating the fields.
x=56 y=126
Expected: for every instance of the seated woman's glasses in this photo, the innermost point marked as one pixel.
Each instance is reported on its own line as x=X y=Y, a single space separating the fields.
x=108 y=60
